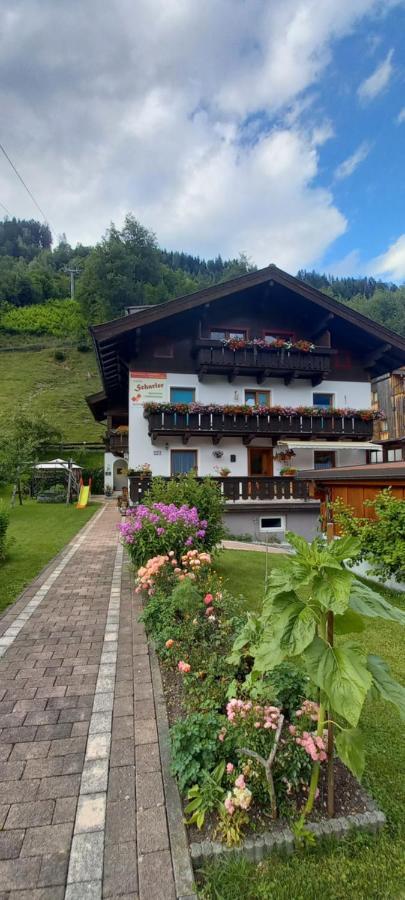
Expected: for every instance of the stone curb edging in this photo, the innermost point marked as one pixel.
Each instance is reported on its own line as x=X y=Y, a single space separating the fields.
x=182 y=866
x=257 y=848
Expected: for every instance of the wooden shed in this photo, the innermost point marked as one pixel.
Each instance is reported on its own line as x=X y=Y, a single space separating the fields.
x=355 y=484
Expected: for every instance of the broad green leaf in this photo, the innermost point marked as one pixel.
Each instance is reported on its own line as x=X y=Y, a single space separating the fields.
x=367 y=602
x=289 y=630
x=350 y=747
x=269 y=652
x=347 y=547
x=341 y=673
x=349 y=623
x=331 y=588
x=299 y=629
x=385 y=685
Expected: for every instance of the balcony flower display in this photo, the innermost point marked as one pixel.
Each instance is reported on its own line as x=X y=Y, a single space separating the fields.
x=261 y=344
x=366 y=415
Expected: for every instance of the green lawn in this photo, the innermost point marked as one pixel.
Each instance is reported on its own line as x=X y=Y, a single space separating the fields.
x=38 y=383
x=360 y=867
x=35 y=534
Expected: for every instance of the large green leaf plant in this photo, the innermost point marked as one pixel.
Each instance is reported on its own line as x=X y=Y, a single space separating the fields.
x=312 y=610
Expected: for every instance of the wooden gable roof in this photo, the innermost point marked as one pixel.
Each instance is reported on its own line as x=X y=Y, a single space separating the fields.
x=388 y=346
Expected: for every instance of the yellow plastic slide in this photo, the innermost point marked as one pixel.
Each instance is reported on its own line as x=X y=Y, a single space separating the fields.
x=83 y=496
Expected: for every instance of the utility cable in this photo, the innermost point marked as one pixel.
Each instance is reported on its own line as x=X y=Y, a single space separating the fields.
x=24 y=184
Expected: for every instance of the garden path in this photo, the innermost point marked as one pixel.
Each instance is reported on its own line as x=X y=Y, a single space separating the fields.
x=82 y=807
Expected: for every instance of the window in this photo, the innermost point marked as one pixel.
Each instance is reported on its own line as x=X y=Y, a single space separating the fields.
x=182 y=395
x=226 y=334
x=269 y=337
x=272 y=523
x=257 y=398
x=324 y=459
x=323 y=401
x=183 y=461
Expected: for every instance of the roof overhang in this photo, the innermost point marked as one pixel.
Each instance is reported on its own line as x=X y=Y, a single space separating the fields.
x=329 y=445
x=386 y=473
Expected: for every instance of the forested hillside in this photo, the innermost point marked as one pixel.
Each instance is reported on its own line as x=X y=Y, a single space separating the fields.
x=128 y=268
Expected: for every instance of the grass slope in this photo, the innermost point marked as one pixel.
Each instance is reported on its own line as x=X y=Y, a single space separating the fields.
x=36 y=382
x=362 y=867
x=35 y=534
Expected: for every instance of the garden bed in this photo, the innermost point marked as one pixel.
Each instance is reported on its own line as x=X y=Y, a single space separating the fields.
x=253 y=745
x=354 y=808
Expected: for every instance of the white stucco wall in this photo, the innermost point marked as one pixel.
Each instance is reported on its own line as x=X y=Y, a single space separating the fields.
x=111 y=478
x=216 y=389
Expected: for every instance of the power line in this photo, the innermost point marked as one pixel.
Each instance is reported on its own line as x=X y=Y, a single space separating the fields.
x=7 y=211
x=24 y=184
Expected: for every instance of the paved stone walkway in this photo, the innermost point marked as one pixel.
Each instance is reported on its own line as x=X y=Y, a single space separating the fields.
x=82 y=807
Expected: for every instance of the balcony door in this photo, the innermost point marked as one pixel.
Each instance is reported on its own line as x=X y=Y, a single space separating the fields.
x=260 y=460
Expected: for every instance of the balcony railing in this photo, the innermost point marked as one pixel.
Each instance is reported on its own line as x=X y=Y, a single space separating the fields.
x=117 y=443
x=251 y=425
x=237 y=488
x=213 y=358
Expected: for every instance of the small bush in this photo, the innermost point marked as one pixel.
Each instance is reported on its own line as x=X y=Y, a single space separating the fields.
x=83 y=347
x=195 y=747
x=202 y=493
x=59 y=356
x=382 y=540
x=4 y=521
x=151 y=531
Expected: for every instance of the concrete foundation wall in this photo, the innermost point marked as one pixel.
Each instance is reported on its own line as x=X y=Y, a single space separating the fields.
x=302 y=518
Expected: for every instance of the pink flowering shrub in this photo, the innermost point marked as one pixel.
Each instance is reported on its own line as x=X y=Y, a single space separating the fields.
x=163 y=571
x=149 y=531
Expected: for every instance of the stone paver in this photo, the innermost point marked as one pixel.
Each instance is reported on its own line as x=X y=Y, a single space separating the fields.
x=82 y=805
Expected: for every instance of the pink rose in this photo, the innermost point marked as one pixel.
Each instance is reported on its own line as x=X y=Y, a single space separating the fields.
x=183 y=667
x=229 y=768
x=240 y=782
x=208 y=599
x=209 y=611
x=229 y=805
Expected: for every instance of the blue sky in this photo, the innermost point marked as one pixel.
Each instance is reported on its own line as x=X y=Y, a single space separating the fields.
x=268 y=127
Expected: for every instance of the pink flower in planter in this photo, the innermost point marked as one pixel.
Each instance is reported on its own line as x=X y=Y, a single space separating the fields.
x=229 y=768
x=169 y=643
x=208 y=599
x=240 y=782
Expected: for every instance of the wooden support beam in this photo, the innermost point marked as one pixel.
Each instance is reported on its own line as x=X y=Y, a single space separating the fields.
x=247 y=439
x=202 y=372
x=371 y=359
x=232 y=375
x=216 y=438
x=263 y=375
x=316 y=379
x=185 y=437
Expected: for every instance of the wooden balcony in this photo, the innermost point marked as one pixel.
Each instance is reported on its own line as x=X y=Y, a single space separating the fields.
x=117 y=442
x=213 y=358
x=248 y=426
x=239 y=488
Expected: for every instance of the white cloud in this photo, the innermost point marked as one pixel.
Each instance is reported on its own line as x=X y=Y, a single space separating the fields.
x=349 y=165
x=186 y=113
x=372 y=86
x=401 y=116
x=391 y=264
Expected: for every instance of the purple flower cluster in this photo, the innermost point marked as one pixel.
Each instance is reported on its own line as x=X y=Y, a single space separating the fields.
x=162 y=527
